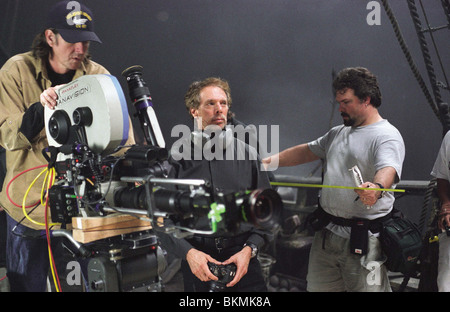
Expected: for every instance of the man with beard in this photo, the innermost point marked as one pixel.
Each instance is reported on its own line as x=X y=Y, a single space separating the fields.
x=346 y=254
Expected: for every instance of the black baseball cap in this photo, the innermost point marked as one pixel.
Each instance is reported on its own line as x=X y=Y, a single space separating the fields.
x=73 y=20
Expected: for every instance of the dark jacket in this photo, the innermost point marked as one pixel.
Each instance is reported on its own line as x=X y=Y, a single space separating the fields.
x=241 y=173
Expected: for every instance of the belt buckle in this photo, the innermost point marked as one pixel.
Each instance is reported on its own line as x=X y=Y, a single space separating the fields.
x=219 y=243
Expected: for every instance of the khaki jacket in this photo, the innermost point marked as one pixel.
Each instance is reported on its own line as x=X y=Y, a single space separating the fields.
x=22 y=79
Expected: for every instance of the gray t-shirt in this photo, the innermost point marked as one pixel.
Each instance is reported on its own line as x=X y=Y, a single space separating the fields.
x=371 y=148
x=441 y=167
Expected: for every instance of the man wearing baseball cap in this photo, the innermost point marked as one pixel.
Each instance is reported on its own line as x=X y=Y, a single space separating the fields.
x=73 y=21
x=60 y=54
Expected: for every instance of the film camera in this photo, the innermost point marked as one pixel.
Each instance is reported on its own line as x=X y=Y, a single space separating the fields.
x=87 y=133
x=224 y=273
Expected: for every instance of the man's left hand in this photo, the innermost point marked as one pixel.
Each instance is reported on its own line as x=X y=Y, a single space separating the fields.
x=241 y=259
x=368 y=197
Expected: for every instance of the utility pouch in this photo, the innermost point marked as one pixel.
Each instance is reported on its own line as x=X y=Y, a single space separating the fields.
x=359 y=237
x=402 y=242
x=318 y=219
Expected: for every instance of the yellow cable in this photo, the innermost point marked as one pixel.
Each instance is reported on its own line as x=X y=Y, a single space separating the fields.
x=334 y=186
x=53 y=270
x=25 y=197
x=49 y=182
x=52 y=263
x=43 y=188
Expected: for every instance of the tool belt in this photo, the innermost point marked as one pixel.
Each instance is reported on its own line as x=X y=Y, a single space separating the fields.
x=400 y=238
x=359 y=234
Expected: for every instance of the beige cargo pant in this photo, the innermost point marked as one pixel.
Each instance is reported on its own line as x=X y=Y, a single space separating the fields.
x=333 y=268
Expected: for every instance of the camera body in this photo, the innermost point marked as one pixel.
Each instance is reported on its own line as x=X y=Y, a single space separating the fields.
x=224 y=273
x=128 y=263
x=86 y=134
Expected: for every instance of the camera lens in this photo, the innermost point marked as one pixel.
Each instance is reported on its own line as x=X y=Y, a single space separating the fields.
x=147 y=153
x=170 y=201
x=82 y=116
x=138 y=90
x=58 y=126
x=130 y=197
x=181 y=202
x=142 y=101
x=263 y=208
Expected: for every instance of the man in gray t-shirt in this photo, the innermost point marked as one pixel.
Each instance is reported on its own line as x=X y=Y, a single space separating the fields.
x=371 y=148
x=376 y=148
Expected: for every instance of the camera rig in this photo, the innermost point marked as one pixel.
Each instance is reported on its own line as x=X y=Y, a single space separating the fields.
x=98 y=175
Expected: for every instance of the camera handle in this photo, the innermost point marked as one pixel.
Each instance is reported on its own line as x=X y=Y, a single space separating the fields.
x=84 y=252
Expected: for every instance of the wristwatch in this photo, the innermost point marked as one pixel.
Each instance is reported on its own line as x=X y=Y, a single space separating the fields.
x=254 y=249
x=382 y=187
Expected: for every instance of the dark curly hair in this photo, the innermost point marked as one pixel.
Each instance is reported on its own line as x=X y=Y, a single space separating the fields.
x=362 y=81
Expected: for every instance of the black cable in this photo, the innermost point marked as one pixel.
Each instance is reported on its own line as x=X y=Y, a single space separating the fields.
x=438 y=55
x=446 y=7
x=25 y=235
x=409 y=58
x=427 y=199
x=442 y=107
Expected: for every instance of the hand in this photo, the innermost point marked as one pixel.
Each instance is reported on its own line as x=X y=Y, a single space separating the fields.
x=241 y=259
x=444 y=216
x=270 y=163
x=368 y=197
x=266 y=162
x=198 y=263
x=49 y=97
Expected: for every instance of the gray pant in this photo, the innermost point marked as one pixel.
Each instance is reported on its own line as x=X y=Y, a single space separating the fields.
x=443 y=279
x=4 y=283
x=332 y=268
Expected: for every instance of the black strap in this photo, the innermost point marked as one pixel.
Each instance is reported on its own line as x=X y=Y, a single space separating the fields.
x=375 y=225
x=218 y=243
x=53 y=154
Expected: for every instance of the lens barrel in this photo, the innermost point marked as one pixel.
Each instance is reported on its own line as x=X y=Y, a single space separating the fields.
x=262 y=207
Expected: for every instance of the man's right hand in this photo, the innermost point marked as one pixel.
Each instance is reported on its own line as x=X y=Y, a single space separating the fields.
x=49 y=97
x=444 y=216
x=198 y=263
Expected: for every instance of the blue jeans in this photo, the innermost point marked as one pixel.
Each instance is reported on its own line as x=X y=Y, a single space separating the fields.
x=27 y=259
